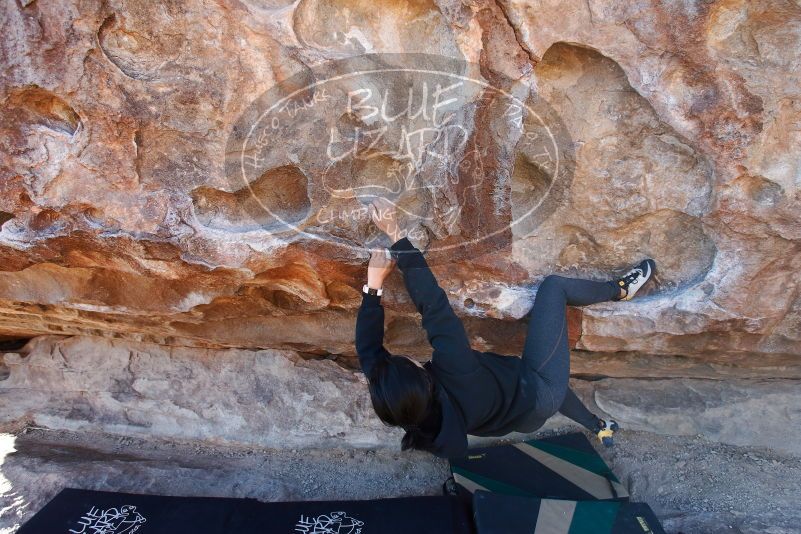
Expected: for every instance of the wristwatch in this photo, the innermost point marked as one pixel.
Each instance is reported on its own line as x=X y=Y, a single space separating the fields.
x=371 y=291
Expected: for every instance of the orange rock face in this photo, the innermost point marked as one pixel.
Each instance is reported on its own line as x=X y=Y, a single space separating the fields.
x=678 y=127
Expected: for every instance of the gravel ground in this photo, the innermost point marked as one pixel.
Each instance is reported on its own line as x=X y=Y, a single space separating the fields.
x=695 y=486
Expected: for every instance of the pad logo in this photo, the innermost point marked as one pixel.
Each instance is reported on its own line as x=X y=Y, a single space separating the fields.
x=333 y=523
x=644 y=525
x=122 y=520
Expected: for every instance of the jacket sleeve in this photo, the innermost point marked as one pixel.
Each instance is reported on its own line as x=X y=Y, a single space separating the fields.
x=456 y=449
x=445 y=331
x=370 y=333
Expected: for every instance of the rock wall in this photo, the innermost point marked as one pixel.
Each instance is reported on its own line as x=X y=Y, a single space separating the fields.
x=268 y=398
x=277 y=399
x=118 y=221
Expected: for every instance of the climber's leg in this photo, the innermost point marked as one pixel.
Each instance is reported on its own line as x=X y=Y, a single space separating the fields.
x=546 y=355
x=573 y=408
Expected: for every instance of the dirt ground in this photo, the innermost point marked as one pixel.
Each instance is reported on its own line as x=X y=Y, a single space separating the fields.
x=695 y=486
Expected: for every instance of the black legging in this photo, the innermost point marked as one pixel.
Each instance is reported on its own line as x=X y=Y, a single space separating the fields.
x=546 y=355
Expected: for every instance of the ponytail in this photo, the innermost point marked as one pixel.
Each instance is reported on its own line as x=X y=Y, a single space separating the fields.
x=404 y=394
x=422 y=438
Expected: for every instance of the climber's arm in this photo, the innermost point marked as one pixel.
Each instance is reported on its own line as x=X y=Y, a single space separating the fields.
x=370 y=319
x=445 y=331
x=370 y=332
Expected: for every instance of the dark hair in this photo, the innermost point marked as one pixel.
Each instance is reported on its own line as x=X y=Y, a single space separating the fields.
x=403 y=394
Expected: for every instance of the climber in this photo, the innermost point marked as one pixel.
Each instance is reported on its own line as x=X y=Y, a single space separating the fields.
x=462 y=391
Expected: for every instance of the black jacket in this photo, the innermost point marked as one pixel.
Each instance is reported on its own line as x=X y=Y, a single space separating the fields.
x=479 y=391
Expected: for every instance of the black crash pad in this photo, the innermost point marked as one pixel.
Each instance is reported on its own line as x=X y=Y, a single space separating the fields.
x=75 y=511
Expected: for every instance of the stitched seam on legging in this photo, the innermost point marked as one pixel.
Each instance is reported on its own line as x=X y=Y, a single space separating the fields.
x=558 y=338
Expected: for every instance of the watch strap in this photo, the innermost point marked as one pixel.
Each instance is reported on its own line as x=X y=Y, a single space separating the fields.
x=372 y=291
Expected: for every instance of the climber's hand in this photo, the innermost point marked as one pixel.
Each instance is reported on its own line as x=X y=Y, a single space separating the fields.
x=379 y=268
x=385 y=217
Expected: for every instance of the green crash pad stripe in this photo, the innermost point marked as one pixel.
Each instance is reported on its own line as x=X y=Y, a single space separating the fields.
x=594 y=517
x=596 y=485
x=590 y=462
x=487 y=483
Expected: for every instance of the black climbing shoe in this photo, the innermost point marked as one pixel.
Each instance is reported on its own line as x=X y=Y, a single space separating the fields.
x=633 y=280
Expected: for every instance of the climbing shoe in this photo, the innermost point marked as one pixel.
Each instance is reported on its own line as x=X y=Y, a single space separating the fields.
x=632 y=281
x=605 y=431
